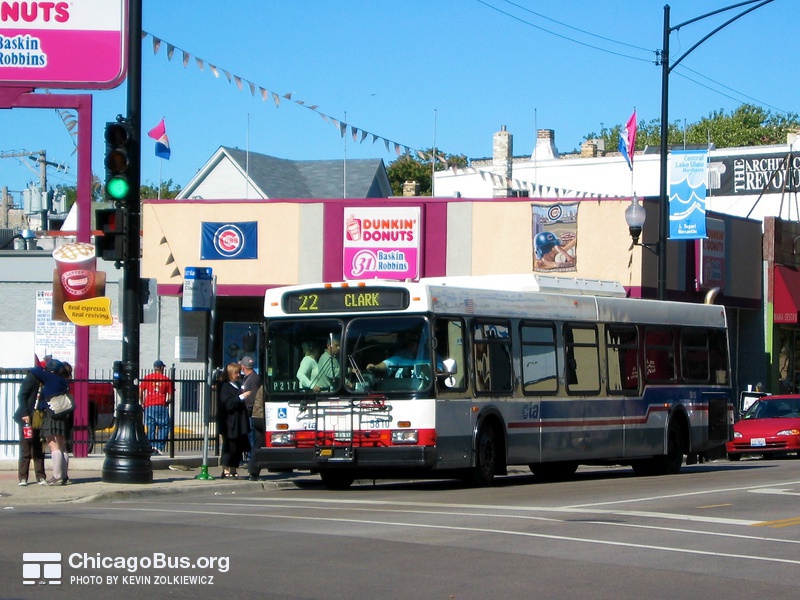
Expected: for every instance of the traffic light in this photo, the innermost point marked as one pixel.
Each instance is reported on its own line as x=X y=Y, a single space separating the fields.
x=110 y=245
x=119 y=155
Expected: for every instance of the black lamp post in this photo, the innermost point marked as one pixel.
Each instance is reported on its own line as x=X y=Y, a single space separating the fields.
x=666 y=67
x=128 y=451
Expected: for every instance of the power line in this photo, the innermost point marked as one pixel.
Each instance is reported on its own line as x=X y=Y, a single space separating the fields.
x=589 y=33
x=593 y=47
x=564 y=37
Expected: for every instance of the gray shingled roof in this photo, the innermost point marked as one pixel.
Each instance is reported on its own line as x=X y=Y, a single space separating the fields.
x=283 y=178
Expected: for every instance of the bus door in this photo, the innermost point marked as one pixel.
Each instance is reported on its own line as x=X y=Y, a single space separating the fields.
x=453 y=402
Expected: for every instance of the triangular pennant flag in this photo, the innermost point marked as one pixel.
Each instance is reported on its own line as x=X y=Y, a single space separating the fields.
x=186 y=57
x=156 y=45
x=170 y=51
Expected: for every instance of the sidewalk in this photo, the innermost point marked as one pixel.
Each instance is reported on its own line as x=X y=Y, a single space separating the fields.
x=170 y=476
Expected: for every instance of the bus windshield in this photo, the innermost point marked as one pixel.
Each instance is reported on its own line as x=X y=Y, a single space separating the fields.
x=376 y=354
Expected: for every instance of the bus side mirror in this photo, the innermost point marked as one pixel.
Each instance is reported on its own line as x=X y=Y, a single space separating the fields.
x=449 y=368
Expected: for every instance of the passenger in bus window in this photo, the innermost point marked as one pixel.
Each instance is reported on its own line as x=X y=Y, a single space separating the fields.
x=407 y=356
x=328 y=366
x=308 y=370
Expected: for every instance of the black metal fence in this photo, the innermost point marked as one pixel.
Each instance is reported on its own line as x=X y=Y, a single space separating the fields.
x=89 y=435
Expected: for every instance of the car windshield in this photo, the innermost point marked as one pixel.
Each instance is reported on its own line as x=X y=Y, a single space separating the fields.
x=774 y=409
x=369 y=354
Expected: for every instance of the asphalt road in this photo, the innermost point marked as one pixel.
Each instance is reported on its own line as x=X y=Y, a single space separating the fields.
x=717 y=530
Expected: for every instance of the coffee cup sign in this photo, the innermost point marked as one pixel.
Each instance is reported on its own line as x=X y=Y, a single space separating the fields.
x=75 y=268
x=78 y=288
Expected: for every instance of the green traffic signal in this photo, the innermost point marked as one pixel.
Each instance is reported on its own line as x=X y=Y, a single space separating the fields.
x=119 y=139
x=118 y=188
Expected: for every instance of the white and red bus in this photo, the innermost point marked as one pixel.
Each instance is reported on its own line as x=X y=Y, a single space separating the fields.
x=465 y=376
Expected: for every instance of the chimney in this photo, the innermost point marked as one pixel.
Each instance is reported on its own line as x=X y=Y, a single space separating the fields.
x=410 y=188
x=502 y=153
x=589 y=149
x=545 y=145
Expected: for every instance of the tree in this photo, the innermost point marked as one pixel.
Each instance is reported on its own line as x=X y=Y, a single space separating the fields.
x=413 y=168
x=149 y=191
x=747 y=125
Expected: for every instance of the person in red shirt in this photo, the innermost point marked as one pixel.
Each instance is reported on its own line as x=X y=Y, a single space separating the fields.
x=155 y=393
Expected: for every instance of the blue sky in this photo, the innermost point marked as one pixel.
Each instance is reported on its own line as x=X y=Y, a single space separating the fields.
x=416 y=72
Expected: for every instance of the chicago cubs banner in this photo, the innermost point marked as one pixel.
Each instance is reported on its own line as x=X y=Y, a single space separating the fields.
x=229 y=241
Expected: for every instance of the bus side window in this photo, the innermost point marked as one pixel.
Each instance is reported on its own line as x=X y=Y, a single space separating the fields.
x=694 y=355
x=582 y=359
x=622 y=358
x=492 y=357
x=449 y=343
x=659 y=354
x=539 y=366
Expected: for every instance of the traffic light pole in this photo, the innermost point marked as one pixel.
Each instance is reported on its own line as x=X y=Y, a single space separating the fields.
x=128 y=451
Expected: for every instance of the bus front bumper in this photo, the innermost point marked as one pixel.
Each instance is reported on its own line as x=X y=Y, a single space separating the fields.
x=398 y=457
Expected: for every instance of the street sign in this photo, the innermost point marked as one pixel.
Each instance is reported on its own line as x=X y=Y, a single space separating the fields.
x=198 y=288
x=81 y=44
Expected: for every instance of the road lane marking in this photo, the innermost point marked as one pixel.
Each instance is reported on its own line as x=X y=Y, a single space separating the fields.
x=779 y=523
x=523 y=534
x=774 y=491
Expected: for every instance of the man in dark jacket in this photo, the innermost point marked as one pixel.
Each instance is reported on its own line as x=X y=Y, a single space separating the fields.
x=29 y=448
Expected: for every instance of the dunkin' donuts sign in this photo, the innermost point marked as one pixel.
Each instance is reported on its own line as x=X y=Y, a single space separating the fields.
x=382 y=243
x=80 y=44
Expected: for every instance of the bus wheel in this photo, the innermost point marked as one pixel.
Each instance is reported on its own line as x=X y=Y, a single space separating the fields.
x=555 y=471
x=486 y=457
x=667 y=464
x=673 y=459
x=336 y=479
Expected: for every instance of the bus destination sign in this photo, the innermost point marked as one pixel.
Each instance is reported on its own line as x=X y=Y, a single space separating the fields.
x=345 y=300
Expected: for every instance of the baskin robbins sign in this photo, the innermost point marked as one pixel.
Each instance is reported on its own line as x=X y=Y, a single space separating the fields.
x=381 y=243
x=80 y=44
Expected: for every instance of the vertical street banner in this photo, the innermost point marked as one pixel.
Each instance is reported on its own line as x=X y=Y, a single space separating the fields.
x=555 y=236
x=688 y=185
x=711 y=255
x=381 y=243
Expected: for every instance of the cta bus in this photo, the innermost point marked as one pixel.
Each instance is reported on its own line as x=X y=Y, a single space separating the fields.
x=466 y=376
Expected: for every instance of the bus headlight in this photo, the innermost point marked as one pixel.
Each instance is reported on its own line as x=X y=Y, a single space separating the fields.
x=405 y=436
x=737 y=434
x=282 y=438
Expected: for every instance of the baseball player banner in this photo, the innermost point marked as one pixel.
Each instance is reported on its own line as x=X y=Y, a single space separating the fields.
x=555 y=236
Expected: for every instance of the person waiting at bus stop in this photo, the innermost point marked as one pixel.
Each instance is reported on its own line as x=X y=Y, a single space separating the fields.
x=30 y=448
x=233 y=421
x=155 y=393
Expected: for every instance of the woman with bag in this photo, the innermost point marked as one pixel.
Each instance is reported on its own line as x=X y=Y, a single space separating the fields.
x=30 y=444
x=233 y=422
x=55 y=386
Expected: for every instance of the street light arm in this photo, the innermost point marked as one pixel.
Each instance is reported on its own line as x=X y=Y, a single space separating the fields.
x=725 y=24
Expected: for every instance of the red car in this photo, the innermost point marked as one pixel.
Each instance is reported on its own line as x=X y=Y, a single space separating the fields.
x=770 y=426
